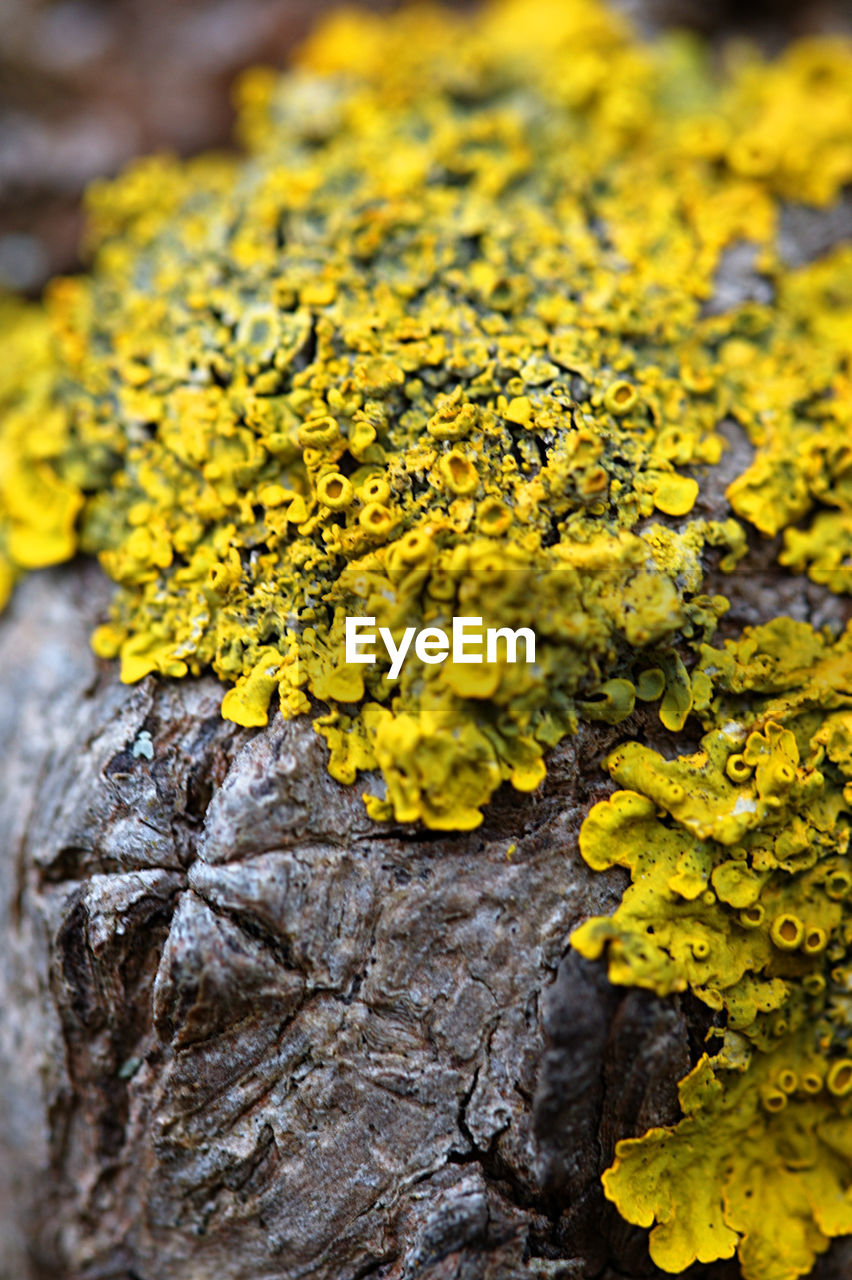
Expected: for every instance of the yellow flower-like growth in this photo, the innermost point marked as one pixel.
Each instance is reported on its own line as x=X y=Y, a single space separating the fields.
x=741 y=880
x=445 y=341
x=439 y=344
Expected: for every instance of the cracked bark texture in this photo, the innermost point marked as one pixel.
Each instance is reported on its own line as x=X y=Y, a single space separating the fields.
x=247 y=1034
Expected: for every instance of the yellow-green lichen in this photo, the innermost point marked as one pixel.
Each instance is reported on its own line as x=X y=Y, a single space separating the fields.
x=404 y=358
x=443 y=342
x=741 y=879
x=759 y=1164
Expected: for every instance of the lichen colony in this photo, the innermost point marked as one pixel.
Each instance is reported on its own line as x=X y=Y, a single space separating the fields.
x=444 y=339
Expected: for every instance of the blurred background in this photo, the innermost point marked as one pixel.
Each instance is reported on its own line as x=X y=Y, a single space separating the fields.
x=87 y=84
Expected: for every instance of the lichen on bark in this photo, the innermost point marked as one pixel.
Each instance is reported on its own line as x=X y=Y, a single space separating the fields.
x=467 y=328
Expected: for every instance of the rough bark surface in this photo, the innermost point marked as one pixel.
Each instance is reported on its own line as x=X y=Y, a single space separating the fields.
x=248 y=1034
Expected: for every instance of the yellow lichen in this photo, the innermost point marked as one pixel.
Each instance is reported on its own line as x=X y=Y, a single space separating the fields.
x=439 y=345
x=759 y=1164
x=372 y=397
x=38 y=506
x=740 y=888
